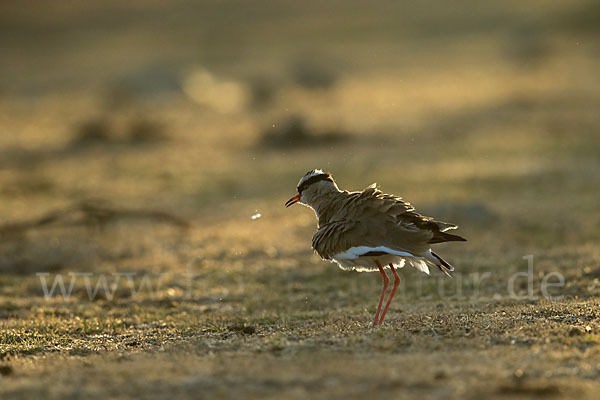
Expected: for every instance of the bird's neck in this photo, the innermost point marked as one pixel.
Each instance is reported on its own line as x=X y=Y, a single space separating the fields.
x=324 y=206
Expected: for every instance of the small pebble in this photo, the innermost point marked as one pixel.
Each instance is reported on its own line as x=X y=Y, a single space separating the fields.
x=245 y=329
x=5 y=370
x=575 y=332
x=249 y=330
x=440 y=375
x=518 y=373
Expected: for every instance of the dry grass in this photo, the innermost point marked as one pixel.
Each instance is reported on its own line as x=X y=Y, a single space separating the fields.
x=488 y=120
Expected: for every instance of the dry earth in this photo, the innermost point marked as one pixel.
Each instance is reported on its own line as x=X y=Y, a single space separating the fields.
x=123 y=158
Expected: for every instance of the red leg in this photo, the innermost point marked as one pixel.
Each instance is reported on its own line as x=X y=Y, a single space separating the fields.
x=386 y=280
x=389 y=300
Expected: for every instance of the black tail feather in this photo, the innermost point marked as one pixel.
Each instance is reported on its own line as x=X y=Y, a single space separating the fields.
x=444 y=263
x=441 y=237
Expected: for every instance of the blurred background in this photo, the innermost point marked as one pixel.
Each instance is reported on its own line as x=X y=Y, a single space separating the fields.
x=145 y=135
x=185 y=104
x=215 y=109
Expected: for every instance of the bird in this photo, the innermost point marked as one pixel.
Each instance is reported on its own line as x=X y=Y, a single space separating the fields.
x=369 y=230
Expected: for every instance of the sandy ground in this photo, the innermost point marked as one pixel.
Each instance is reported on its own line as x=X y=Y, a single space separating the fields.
x=147 y=151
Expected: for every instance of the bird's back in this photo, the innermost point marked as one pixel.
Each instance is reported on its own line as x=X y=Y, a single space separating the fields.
x=373 y=218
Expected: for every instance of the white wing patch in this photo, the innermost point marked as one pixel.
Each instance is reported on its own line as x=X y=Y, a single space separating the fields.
x=355 y=258
x=357 y=251
x=419 y=264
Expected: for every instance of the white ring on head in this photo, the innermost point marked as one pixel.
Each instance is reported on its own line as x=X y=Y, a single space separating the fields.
x=312 y=173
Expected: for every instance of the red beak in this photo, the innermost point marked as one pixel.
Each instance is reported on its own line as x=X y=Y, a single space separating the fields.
x=293 y=200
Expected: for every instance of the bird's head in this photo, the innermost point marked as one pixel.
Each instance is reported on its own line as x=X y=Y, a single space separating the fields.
x=311 y=186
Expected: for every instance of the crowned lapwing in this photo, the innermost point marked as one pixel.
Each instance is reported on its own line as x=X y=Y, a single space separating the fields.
x=370 y=230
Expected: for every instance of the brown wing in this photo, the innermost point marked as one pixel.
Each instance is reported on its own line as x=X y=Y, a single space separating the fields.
x=388 y=220
x=333 y=238
x=409 y=218
x=369 y=202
